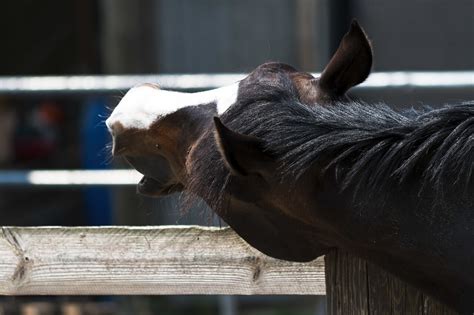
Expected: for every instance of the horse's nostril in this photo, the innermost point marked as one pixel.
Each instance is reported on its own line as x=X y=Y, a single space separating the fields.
x=120 y=144
x=115 y=128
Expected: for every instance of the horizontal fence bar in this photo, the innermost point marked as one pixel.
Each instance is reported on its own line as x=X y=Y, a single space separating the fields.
x=145 y=260
x=115 y=83
x=69 y=177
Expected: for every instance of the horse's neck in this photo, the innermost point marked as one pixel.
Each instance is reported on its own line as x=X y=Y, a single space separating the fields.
x=397 y=218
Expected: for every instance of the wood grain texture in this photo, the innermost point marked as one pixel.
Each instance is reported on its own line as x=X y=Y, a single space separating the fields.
x=346 y=284
x=357 y=287
x=380 y=295
x=145 y=260
x=414 y=300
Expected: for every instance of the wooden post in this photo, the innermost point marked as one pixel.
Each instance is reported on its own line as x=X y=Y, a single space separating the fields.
x=354 y=286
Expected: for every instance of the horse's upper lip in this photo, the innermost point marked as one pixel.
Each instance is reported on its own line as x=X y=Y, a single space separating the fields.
x=156 y=167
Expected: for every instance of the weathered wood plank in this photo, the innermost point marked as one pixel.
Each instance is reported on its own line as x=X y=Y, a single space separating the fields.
x=399 y=299
x=145 y=260
x=358 y=287
x=433 y=307
x=346 y=284
x=380 y=297
x=414 y=300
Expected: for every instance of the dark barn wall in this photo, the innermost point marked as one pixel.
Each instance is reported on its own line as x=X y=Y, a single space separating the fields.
x=128 y=36
x=233 y=36
x=224 y=36
x=419 y=34
x=58 y=37
x=48 y=37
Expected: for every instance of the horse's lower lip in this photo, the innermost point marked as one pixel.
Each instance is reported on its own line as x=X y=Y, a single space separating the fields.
x=150 y=187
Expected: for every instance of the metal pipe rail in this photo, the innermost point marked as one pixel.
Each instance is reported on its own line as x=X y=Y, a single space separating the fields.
x=116 y=83
x=66 y=178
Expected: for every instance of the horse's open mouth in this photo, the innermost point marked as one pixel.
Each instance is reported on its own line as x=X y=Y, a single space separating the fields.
x=151 y=187
x=158 y=177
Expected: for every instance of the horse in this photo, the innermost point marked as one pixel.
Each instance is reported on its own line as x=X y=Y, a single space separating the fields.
x=297 y=168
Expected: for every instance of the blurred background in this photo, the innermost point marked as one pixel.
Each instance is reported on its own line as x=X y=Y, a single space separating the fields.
x=65 y=130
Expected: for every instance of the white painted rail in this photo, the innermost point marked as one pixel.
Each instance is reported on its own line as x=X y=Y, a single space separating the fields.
x=117 y=177
x=145 y=260
x=202 y=81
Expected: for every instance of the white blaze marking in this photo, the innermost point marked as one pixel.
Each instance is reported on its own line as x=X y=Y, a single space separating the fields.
x=143 y=105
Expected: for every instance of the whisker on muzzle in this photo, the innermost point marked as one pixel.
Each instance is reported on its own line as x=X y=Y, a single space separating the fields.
x=106 y=154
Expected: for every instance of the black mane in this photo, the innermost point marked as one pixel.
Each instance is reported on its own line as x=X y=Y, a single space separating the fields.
x=365 y=145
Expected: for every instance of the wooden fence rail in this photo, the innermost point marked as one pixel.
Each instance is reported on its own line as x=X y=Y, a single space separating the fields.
x=190 y=260
x=145 y=260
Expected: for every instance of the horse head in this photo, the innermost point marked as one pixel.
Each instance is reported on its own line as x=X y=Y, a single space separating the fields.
x=154 y=129
x=167 y=136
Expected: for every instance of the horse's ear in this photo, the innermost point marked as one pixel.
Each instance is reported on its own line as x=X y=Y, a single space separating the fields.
x=350 y=65
x=243 y=155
